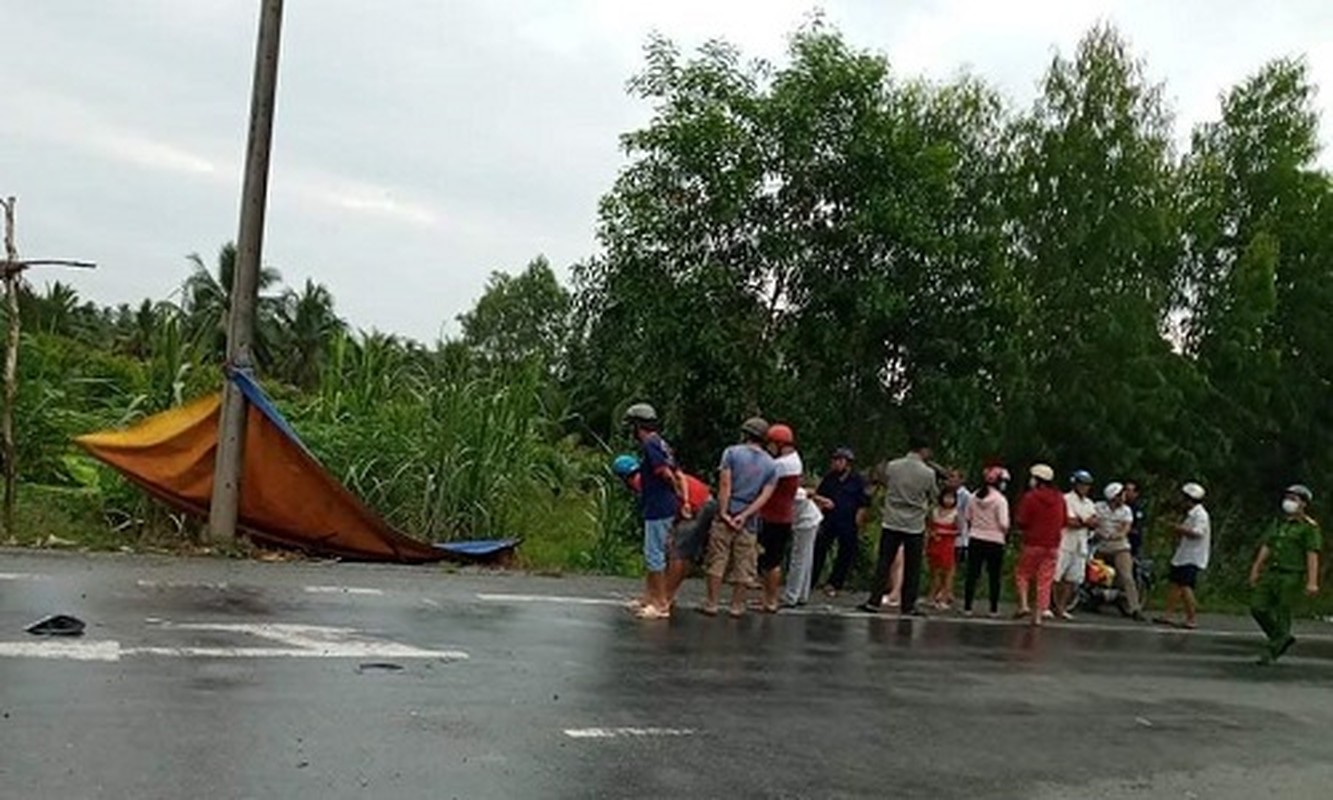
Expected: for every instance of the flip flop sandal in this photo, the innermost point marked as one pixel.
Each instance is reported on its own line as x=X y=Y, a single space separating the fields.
x=708 y=611
x=736 y=613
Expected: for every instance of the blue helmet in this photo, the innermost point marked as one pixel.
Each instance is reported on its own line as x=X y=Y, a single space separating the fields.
x=1081 y=476
x=624 y=466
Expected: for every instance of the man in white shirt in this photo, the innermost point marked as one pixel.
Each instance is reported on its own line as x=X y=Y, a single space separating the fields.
x=1192 y=552
x=1080 y=521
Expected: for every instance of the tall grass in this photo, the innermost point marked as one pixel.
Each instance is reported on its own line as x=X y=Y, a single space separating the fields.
x=443 y=445
x=444 y=449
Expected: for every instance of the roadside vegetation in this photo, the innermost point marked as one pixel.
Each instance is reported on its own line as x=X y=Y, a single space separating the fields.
x=824 y=241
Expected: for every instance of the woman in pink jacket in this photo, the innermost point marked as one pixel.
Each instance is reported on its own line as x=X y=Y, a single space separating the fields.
x=987 y=526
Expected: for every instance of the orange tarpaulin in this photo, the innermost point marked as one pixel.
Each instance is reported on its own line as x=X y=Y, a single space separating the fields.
x=287 y=497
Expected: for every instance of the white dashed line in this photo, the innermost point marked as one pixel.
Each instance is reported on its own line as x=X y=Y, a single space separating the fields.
x=343 y=590
x=151 y=584
x=22 y=576
x=625 y=733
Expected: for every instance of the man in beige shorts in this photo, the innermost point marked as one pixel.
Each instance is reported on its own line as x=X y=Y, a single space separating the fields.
x=747 y=477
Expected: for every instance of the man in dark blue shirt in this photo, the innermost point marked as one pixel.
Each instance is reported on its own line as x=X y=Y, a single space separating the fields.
x=843 y=497
x=661 y=495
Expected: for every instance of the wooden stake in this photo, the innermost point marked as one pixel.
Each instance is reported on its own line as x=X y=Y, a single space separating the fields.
x=11 y=270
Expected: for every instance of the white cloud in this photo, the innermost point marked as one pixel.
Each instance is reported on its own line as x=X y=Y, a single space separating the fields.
x=140 y=150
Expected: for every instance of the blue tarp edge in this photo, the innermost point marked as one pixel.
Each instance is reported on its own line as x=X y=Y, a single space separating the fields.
x=255 y=394
x=478 y=547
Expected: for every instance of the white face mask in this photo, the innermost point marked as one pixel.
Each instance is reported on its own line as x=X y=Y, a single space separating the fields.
x=1290 y=506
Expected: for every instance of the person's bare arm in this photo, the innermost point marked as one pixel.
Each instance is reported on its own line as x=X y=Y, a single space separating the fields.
x=682 y=492
x=758 y=503
x=1312 y=573
x=1259 y=561
x=724 y=496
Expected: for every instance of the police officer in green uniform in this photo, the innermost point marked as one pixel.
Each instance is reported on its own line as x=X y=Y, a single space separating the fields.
x=1287 y=567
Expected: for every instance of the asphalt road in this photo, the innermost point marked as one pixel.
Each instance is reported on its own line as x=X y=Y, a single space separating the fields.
x=214 y=678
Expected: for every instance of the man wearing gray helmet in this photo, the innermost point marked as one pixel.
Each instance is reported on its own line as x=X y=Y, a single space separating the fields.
x=662 y=495
x=747 y=477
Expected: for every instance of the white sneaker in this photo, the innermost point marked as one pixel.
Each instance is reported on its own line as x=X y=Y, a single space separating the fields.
x=1066 y=615
x=1048 y=614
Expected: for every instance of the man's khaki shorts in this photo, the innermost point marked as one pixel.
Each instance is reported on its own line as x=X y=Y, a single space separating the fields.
x=733 y=555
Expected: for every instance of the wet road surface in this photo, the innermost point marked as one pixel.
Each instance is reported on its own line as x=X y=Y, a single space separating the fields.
x=216 y=678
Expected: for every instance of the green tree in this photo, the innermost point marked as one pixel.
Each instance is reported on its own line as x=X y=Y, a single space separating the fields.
x=1096 y=245
x=1259 y=281
x=520 y=318
x=673 y=310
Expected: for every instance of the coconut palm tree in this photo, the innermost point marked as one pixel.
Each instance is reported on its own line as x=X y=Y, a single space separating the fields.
x=308 y=326
x=206 y=300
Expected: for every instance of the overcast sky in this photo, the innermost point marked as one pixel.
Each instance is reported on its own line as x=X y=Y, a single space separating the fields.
x=421 y=144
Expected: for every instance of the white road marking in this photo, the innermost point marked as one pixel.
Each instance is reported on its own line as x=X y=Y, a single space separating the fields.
x=295 y=641
x=622 y=733
x=52 y=648
x=849 y=613
x=550 y=598
x=343 y=590
x=151 y=584
x=351 y=650
x=21 y=576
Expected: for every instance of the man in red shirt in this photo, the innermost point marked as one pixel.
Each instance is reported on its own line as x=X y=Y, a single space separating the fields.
x=1041 y=517
x=779 y=512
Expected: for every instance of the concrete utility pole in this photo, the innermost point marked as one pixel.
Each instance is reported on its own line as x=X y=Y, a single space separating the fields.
x=10 y=270
x=225 y=502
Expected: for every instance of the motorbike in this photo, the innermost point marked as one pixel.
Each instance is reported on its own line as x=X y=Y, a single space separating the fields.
x=1100 y=587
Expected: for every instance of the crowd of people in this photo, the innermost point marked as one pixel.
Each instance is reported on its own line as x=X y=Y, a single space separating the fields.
x=764 y=515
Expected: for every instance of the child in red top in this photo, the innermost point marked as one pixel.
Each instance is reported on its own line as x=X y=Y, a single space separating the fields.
x=941 y=537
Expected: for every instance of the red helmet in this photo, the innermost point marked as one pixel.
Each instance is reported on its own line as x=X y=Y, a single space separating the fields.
x=781 y=434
